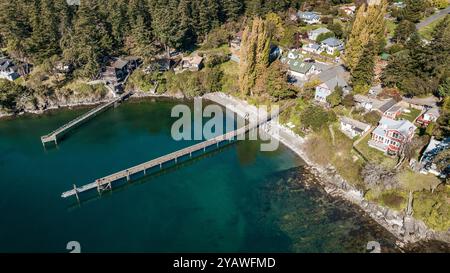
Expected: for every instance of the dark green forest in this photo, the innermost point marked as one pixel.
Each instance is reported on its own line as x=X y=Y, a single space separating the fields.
x=36 y=30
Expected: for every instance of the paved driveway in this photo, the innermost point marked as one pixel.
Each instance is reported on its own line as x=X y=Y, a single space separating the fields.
x=433 y=18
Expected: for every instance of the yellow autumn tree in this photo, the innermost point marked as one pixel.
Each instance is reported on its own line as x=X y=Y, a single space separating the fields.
x=254 y=55
x=368 y=27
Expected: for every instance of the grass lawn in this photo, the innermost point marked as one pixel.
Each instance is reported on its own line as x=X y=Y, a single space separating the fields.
x=413 y=181
x=414 y=113
x=427 y=31
x=321 y=149
x=375 y=155
x=311 y=27
x=223 y=49
x=230 y=78
x=395 y=199
x=433 y=208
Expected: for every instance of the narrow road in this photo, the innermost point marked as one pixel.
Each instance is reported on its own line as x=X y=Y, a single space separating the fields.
x=433 y=18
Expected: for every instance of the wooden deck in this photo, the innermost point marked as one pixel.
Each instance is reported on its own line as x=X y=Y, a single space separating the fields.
x=53 y=136
x=105 y=183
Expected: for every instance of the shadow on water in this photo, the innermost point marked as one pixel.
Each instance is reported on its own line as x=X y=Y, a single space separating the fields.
x=140 y=178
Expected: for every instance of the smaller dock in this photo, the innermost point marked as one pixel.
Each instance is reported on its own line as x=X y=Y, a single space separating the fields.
x=53 y=136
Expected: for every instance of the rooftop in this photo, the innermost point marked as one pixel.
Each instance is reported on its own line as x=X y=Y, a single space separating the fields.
x=195 y=60
x=387 y=105
x=433 y=111
x=394 y=108
x=332 y=72
x=120 y=63
x=355 y=123
x=336 y=81
x=403 y=126
x=320 y=30
x=308 y=14
x=333 y=42
x=300 y=67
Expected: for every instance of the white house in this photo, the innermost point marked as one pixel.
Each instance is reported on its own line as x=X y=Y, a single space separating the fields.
x=309 y=17
x=313 y=48
x=314 y=34
x=8 y=70
x=332 y=45
x=326 y=88
x=353 y=128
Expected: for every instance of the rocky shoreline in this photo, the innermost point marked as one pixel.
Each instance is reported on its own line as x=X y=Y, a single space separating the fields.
x=405 y=228
x=49 y=106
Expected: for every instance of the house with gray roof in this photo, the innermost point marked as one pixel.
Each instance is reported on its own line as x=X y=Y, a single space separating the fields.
x=374 y=104
x=326 y=88
x=394 y=112
x=313 y=48
x=353 y=128
x=332 y=45
x=331 y=78
x=315 y=33
x=391 y=135
x=309 y=17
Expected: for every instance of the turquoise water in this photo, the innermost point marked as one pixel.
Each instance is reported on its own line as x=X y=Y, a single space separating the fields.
x=237 y=199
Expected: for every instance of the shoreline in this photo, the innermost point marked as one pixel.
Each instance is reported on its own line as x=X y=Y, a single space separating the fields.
x=135 y=95
x=405 y=228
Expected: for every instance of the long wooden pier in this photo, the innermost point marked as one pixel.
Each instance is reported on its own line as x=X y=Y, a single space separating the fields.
x=53 y=136
x=106 y=182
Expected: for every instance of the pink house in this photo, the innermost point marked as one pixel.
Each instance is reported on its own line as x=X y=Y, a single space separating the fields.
x=391 y=135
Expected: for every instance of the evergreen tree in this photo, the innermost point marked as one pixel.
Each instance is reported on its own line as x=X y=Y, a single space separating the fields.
x=363 y=74
x=414 y=10
x=89 y=41
x=15 y=27
x=335 y=98
x=232 y=8
x=44 y=41
x=403 y=31
x=421 y=68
